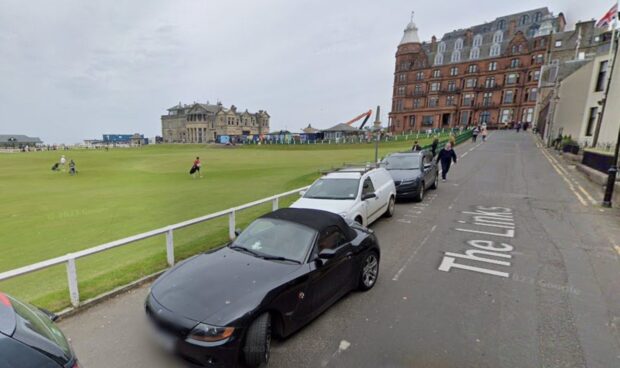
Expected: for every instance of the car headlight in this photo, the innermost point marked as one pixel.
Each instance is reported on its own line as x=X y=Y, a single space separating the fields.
x=409 y=181
x=207 y=333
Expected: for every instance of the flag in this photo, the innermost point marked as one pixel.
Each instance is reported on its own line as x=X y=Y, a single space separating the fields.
x=608 y=17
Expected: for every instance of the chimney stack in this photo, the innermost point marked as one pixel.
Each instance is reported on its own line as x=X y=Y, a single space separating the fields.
x=512 y=28
x=433 y=43
x=469 y=36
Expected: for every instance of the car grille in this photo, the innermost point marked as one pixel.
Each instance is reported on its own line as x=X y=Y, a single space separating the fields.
x=166 y=325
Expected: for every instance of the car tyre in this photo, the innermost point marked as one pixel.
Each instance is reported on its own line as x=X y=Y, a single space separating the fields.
x=369 y=272
x=390 y=209
x=258 y=342
x=420 y=196
x=436 y=182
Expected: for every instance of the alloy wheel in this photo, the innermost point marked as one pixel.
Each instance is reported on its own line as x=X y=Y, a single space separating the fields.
x=371 y=269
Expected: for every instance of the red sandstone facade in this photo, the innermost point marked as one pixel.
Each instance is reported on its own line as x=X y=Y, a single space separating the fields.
x=441 y=91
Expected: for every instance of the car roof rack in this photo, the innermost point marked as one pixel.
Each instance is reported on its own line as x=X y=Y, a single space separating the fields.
x=361 y=168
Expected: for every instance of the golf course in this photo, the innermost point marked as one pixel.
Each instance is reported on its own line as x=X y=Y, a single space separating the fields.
x=126 y=191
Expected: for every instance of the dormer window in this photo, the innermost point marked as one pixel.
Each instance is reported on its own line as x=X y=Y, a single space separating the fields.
x=501 y=24
x=439 y=59
x=498 y=37
x=474 y=53
x=441 y=47
x=456 y=56
x=525 y=19
x=477 y=41
x=495 y=50
x=458 y=44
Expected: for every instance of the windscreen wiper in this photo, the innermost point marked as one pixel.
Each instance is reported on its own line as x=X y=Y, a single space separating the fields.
x=256 y=254
x=279 y=258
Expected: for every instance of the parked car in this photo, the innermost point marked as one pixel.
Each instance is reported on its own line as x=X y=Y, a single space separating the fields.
x=30 y=339
x=413 y=173
x=359 y=195
x=221 y=308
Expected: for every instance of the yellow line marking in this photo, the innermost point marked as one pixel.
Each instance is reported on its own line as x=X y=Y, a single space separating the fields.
x=570 y=185
x=573 y=180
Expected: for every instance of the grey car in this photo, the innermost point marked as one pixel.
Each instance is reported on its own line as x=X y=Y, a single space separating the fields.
x=413 y=173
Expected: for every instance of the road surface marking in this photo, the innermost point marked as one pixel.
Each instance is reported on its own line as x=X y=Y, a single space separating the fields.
x=411 y=257
x=575 y=182
x=570 y=185
x=404 y=221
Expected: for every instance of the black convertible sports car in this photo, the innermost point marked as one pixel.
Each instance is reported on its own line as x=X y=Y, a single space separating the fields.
x=30 y=339
x=221 y=308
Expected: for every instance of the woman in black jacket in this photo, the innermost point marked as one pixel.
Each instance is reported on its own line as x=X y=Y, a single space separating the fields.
x=446 y=156
x=434 y=146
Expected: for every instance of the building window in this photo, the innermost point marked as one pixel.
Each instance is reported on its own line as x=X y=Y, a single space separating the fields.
x=489 y=82
x=417 y=89
x=591 y=121
x=419 y=76
x=525 y=19
x=454 y=71
x=427 y=120
x=402 y=77
x=435 y=86
x=537 y=17
x=538 y=59
x=452 y=86
x=412 y=121
x=533 y=94
x=506 y=116
x=487 y=98
x=512 y=78
x=439 y=59
x=464 y=118
x=400 y=91
x=436 y=73
x=417 y=103
x=398 y=105
x=470 y=82
x=477 y=41
x=528 y=114
x=441 y=47
x=498 y=36
x=558 y=43
x=456 y=56
x=433 y=101
x=514 y=63
x=472 y=68
x=468 y=99
x=458 y=44
x=485 y=117
x=492 y=66
x=474 y=53
x=450 y=101
x=501 y=24
x=536 y=75
x=509 y=96
x=600 y=80
x=495 y=50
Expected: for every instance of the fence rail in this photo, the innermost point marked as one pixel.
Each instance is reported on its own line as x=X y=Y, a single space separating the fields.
x=69 y=259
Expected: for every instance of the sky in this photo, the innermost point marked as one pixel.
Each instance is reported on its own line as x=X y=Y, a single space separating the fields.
x=72 y=70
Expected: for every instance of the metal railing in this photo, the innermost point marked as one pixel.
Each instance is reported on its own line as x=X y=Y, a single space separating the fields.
x=69 y=259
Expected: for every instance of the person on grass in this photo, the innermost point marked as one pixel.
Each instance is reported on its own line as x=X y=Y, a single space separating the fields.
x=416 y=147
x=446 y=156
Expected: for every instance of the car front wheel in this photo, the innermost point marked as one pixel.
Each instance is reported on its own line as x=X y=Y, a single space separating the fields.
x=390 y=209
x=436 y=182
x=369 y=272
x=420 y=195
x=258 y=342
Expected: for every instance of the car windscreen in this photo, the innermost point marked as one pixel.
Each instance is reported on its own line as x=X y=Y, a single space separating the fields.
x=333 y=189
x=35 y=329
x=401 y=163
x=273 y=238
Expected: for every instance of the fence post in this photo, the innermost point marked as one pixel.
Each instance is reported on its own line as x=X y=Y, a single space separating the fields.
x=231 y=225
x=275 y=204
x=74 y=292
x=170 y=248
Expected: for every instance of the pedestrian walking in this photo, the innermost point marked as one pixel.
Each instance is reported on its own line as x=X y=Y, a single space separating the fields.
x=484 y=134
x=195 y=170
x=416 y=147
x=434 y=146
x=446 y=156
x=63 y=162
x=474 y=134
x=72 y=170
x=518 y=127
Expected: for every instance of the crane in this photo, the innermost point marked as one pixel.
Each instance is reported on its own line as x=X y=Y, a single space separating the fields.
x=365 y=115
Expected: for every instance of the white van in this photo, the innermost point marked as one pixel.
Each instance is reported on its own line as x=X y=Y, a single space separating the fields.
x=359 y=195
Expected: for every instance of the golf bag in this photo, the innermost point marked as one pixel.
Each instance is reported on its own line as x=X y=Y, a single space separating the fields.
x=55 y=167
x=193 y=169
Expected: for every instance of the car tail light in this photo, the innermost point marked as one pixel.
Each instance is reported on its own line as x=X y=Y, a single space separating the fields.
x=5 y=300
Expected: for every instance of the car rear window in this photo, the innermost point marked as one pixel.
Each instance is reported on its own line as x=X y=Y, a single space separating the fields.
x=35 y=329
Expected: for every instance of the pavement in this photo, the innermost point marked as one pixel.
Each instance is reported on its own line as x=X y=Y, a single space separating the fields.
x=502 y=266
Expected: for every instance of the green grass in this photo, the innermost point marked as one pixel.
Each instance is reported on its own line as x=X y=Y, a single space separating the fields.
x=123 y=192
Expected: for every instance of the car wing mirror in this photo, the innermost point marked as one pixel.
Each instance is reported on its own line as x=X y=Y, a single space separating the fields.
x=52 y=316
x=427 y=166
x=368 y=196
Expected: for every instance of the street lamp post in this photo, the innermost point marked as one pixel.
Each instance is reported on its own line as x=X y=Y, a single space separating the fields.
x=377 y=129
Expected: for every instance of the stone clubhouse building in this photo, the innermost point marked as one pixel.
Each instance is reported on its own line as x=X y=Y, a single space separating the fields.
x=204 y=123
x=488 y=73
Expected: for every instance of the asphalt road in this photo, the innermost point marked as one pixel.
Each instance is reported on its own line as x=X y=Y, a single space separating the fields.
x=502 y=266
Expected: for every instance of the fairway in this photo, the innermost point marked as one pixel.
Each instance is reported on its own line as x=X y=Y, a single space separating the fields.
x=126 y=191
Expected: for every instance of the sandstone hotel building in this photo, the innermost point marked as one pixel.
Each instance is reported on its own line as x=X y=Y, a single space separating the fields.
x=488 y=73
